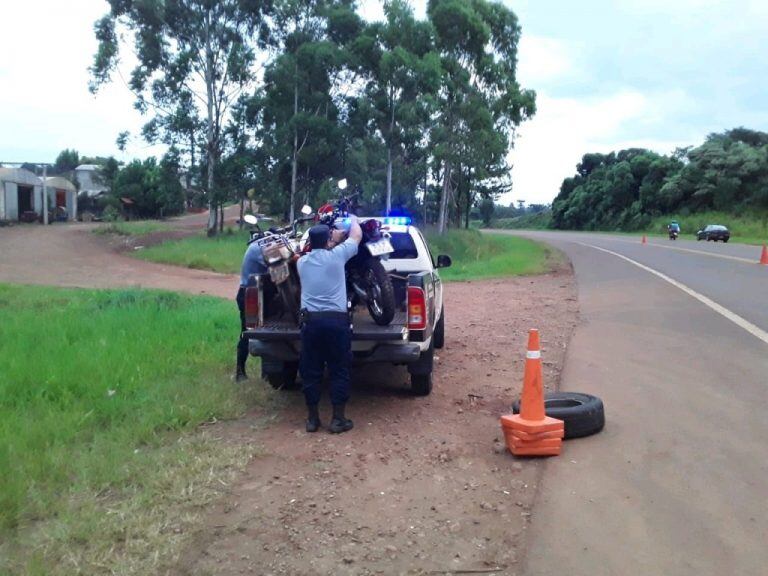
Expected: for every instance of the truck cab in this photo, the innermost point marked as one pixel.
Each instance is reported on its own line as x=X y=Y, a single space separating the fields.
x=417 y=329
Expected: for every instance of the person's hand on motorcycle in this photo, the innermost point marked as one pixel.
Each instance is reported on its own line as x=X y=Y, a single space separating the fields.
x=338 y=236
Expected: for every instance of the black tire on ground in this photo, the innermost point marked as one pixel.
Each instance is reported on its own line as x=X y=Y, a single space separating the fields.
x=583 y=414
x=421 y=372
x=439 y=336
x=380 y=288
x=725 y=239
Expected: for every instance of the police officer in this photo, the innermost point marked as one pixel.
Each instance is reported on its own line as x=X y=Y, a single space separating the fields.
x=326 y=335
x=253 y=263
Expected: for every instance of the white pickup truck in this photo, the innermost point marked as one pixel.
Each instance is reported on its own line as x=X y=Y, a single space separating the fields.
x=417 y=329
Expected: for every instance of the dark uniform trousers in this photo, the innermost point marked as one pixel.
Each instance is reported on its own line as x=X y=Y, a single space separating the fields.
x=242 y=344
x=326 y=340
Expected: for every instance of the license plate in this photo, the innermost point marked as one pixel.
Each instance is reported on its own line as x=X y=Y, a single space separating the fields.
x=279 y=273
x=380 y=247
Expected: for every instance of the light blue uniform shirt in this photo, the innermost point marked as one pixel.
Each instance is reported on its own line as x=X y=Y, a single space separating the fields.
x=323 y=283
x=253 y=263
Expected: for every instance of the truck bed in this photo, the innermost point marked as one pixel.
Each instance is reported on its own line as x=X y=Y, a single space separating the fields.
x=363 y=328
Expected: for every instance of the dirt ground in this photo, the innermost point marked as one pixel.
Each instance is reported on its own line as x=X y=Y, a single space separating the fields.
x=420 y=486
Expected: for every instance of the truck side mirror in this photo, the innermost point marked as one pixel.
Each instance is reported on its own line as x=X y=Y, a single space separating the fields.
x=443 y=261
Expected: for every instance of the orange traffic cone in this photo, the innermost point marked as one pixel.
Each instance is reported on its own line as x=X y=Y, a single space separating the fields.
x=645 y=240
x=532 y=432
x=764 y=256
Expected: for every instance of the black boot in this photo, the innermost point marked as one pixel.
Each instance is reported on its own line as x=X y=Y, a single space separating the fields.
x=340 y=423
x=242 y=357
x=313 y=418
x=240 y=374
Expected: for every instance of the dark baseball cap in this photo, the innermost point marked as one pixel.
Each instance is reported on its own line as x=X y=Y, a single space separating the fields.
x=319 y=236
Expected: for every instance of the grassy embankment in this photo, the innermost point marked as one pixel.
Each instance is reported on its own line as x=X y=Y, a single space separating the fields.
x=95 y=390
x=745 y=228
x=474 y=255
x=133 y=228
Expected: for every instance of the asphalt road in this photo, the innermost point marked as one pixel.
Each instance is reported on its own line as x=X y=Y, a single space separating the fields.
x=677 y=483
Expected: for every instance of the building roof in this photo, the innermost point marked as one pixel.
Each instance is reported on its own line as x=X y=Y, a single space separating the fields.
x=19 y=176
x=60 y=183
x=88 y=167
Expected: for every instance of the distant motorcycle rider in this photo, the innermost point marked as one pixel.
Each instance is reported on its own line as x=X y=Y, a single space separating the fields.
x=326 y=335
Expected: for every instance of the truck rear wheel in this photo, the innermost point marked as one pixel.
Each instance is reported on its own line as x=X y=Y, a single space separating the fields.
x=439 y=336
x=279 y=375
x=421 y=372
x=421 y=384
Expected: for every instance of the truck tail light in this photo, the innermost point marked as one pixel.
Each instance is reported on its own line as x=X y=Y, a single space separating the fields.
x=417 y=309
x=251 y=307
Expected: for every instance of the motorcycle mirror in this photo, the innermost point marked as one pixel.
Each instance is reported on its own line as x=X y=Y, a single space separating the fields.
x=342 y=184
x=250 y=219
x=306 y=210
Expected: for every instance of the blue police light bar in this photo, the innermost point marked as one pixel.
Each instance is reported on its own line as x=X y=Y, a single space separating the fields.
x=387 y=221
x=397 y=220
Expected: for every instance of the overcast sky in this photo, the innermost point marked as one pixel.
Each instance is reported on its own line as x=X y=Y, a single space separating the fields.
x=609 y=74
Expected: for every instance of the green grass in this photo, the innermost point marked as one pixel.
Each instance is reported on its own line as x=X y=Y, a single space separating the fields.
x=223 y=253
x=476 y=256
x=135 y=228
x=96 y=391
x=540 y=221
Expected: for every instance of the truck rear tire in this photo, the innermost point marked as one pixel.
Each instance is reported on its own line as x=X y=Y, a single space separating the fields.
x=421 y=372
x=279 y=375
x=421 y=384
x=439 y=336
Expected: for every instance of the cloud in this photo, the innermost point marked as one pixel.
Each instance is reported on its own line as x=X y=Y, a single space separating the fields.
x=542 y=60
x=549 y=146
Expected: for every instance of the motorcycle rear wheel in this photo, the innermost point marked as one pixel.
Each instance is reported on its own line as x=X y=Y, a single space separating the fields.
x=290 y=295
x=381 y=294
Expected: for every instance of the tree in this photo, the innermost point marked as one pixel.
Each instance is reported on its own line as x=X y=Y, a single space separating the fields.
x=191 y=54
x=402 y=73
x=486 y=211
x=481 y=102
x=66 y=161
x=154 y=189
x=296 y=114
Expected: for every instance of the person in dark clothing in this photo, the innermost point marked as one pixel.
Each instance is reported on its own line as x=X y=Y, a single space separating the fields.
x=326 y=334
x=253 y=263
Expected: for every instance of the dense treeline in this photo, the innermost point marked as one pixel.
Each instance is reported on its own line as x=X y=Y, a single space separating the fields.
x=627 y=189
x=286 y=96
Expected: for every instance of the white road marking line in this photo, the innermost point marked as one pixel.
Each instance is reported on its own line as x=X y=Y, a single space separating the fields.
x=692 y=251
x=732 y=316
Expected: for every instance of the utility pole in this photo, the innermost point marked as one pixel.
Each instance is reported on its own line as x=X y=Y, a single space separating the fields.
x=45 y=195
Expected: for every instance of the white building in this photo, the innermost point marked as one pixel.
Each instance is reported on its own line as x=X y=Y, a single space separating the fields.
x=62 y=198
x=88 y=177
x=21 y=196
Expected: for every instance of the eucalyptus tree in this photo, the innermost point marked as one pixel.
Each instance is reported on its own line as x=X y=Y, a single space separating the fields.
x=402 y=74
x=200 y=52
x=296 y=114
x=481 y=102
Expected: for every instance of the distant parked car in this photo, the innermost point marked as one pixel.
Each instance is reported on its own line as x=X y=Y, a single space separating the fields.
x=713 y=232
